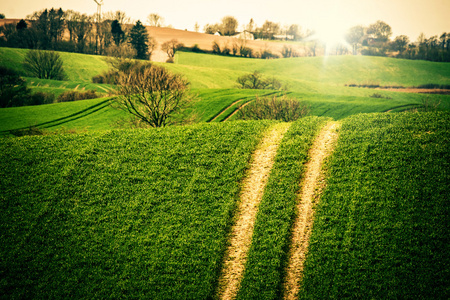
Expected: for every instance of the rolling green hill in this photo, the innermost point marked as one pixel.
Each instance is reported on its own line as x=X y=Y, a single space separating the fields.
x=144 y=213
x=317 y=81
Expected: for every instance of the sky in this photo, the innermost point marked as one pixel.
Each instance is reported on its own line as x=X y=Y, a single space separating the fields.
x=330 y=19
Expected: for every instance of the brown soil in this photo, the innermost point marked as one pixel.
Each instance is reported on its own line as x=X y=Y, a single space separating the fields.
x=416 y=90
x=251 y=195
x=312 y=184
x=205 y=41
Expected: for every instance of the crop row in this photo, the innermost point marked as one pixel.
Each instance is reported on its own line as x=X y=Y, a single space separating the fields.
x=120 y=213
x=381 y=227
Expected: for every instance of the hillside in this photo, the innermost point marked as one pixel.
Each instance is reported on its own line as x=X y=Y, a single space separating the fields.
x=320 y=82
x=145 y=213
x=205 y=42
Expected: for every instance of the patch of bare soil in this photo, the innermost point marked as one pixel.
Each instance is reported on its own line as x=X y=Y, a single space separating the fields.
x=250 y=197
x=311 y=187
x=417 y=90
x=205 y=42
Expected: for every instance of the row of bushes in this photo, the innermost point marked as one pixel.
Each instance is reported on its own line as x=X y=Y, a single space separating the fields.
x=14 y=92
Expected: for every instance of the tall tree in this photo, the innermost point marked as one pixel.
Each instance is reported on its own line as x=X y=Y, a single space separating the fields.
x=139 y=40
x=380 y=30
x=229 y=25
x=117 y=32
x=400 y=43
x=155 y=20
x=354 y=37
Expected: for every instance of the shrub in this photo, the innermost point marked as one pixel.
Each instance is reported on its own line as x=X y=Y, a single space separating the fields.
x=44 y=64
x=255 y=80
x=39 y=98
x=13 y=89
x=283 y=109
x=74 y=96
x=152 y=94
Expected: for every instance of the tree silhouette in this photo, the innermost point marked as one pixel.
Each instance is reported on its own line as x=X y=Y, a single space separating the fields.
x=139 y=40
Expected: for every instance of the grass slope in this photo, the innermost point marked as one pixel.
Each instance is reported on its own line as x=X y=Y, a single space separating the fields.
x=381 y=227
x=268 y=253
x=95 y=114
x=138 y=214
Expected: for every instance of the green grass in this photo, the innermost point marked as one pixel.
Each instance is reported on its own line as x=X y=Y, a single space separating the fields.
x=134 y=214
x=58 y=87
x=264 y=269
x=334 y=70
x=95 y=114
x=78 y=67
x=381 y=226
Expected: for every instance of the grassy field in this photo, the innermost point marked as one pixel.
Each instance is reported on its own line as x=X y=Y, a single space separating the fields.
x=381 y=227
x=96 y=114
x=319 y=82
x=267 y=257
x=138 y=213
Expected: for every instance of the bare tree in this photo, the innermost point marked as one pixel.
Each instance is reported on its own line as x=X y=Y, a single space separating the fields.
x=155 y=20
x=152 y=94
x=171 y=47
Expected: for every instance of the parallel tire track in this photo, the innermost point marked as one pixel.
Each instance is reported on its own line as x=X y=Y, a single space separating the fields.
x=251 y=195
x=321 y=149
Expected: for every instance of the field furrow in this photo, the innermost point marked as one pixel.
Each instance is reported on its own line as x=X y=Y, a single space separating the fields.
x=321 y=149
x=251 y=195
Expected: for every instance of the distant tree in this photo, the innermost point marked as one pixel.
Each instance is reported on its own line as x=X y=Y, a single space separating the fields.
x=152 y=94
x=268 y=30
x=250 y=26
x=44 y=64
x=117 y=32
x=2 y=16
x=139 y=40
x=229 y=25
x=295 y=31
x=380 y=30
x=400 y=43
x=354 y=37
x=21 y=25
x=13 y=89
x=81 y=26
x=211 y=28
x=196 y=27
x=171 y=47
x=256 y=80
x=155 y=20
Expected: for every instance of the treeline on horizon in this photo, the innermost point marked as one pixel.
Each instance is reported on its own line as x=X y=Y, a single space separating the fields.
x=113 y=34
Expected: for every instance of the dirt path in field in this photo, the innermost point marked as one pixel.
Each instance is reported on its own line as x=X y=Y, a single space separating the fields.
x=251 y=194
x=225 y=109
x=312 y=185
x=236 y=111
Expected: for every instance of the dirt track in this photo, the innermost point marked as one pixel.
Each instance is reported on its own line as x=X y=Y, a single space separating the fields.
x=251 y=195
x=311 y=186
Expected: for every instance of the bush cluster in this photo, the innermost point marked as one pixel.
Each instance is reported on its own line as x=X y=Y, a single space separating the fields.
x=256 y=80
x=74 y=96
x=282 y=109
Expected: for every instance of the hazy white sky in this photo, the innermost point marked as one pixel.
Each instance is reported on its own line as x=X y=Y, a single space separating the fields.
x=329 y=18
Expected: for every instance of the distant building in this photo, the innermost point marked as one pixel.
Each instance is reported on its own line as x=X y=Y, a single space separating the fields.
x=245 y=35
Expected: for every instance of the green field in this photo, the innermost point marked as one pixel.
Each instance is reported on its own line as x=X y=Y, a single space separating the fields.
x=381 y=227
x=319 y=82
x=145 y=213
x=138 y=213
